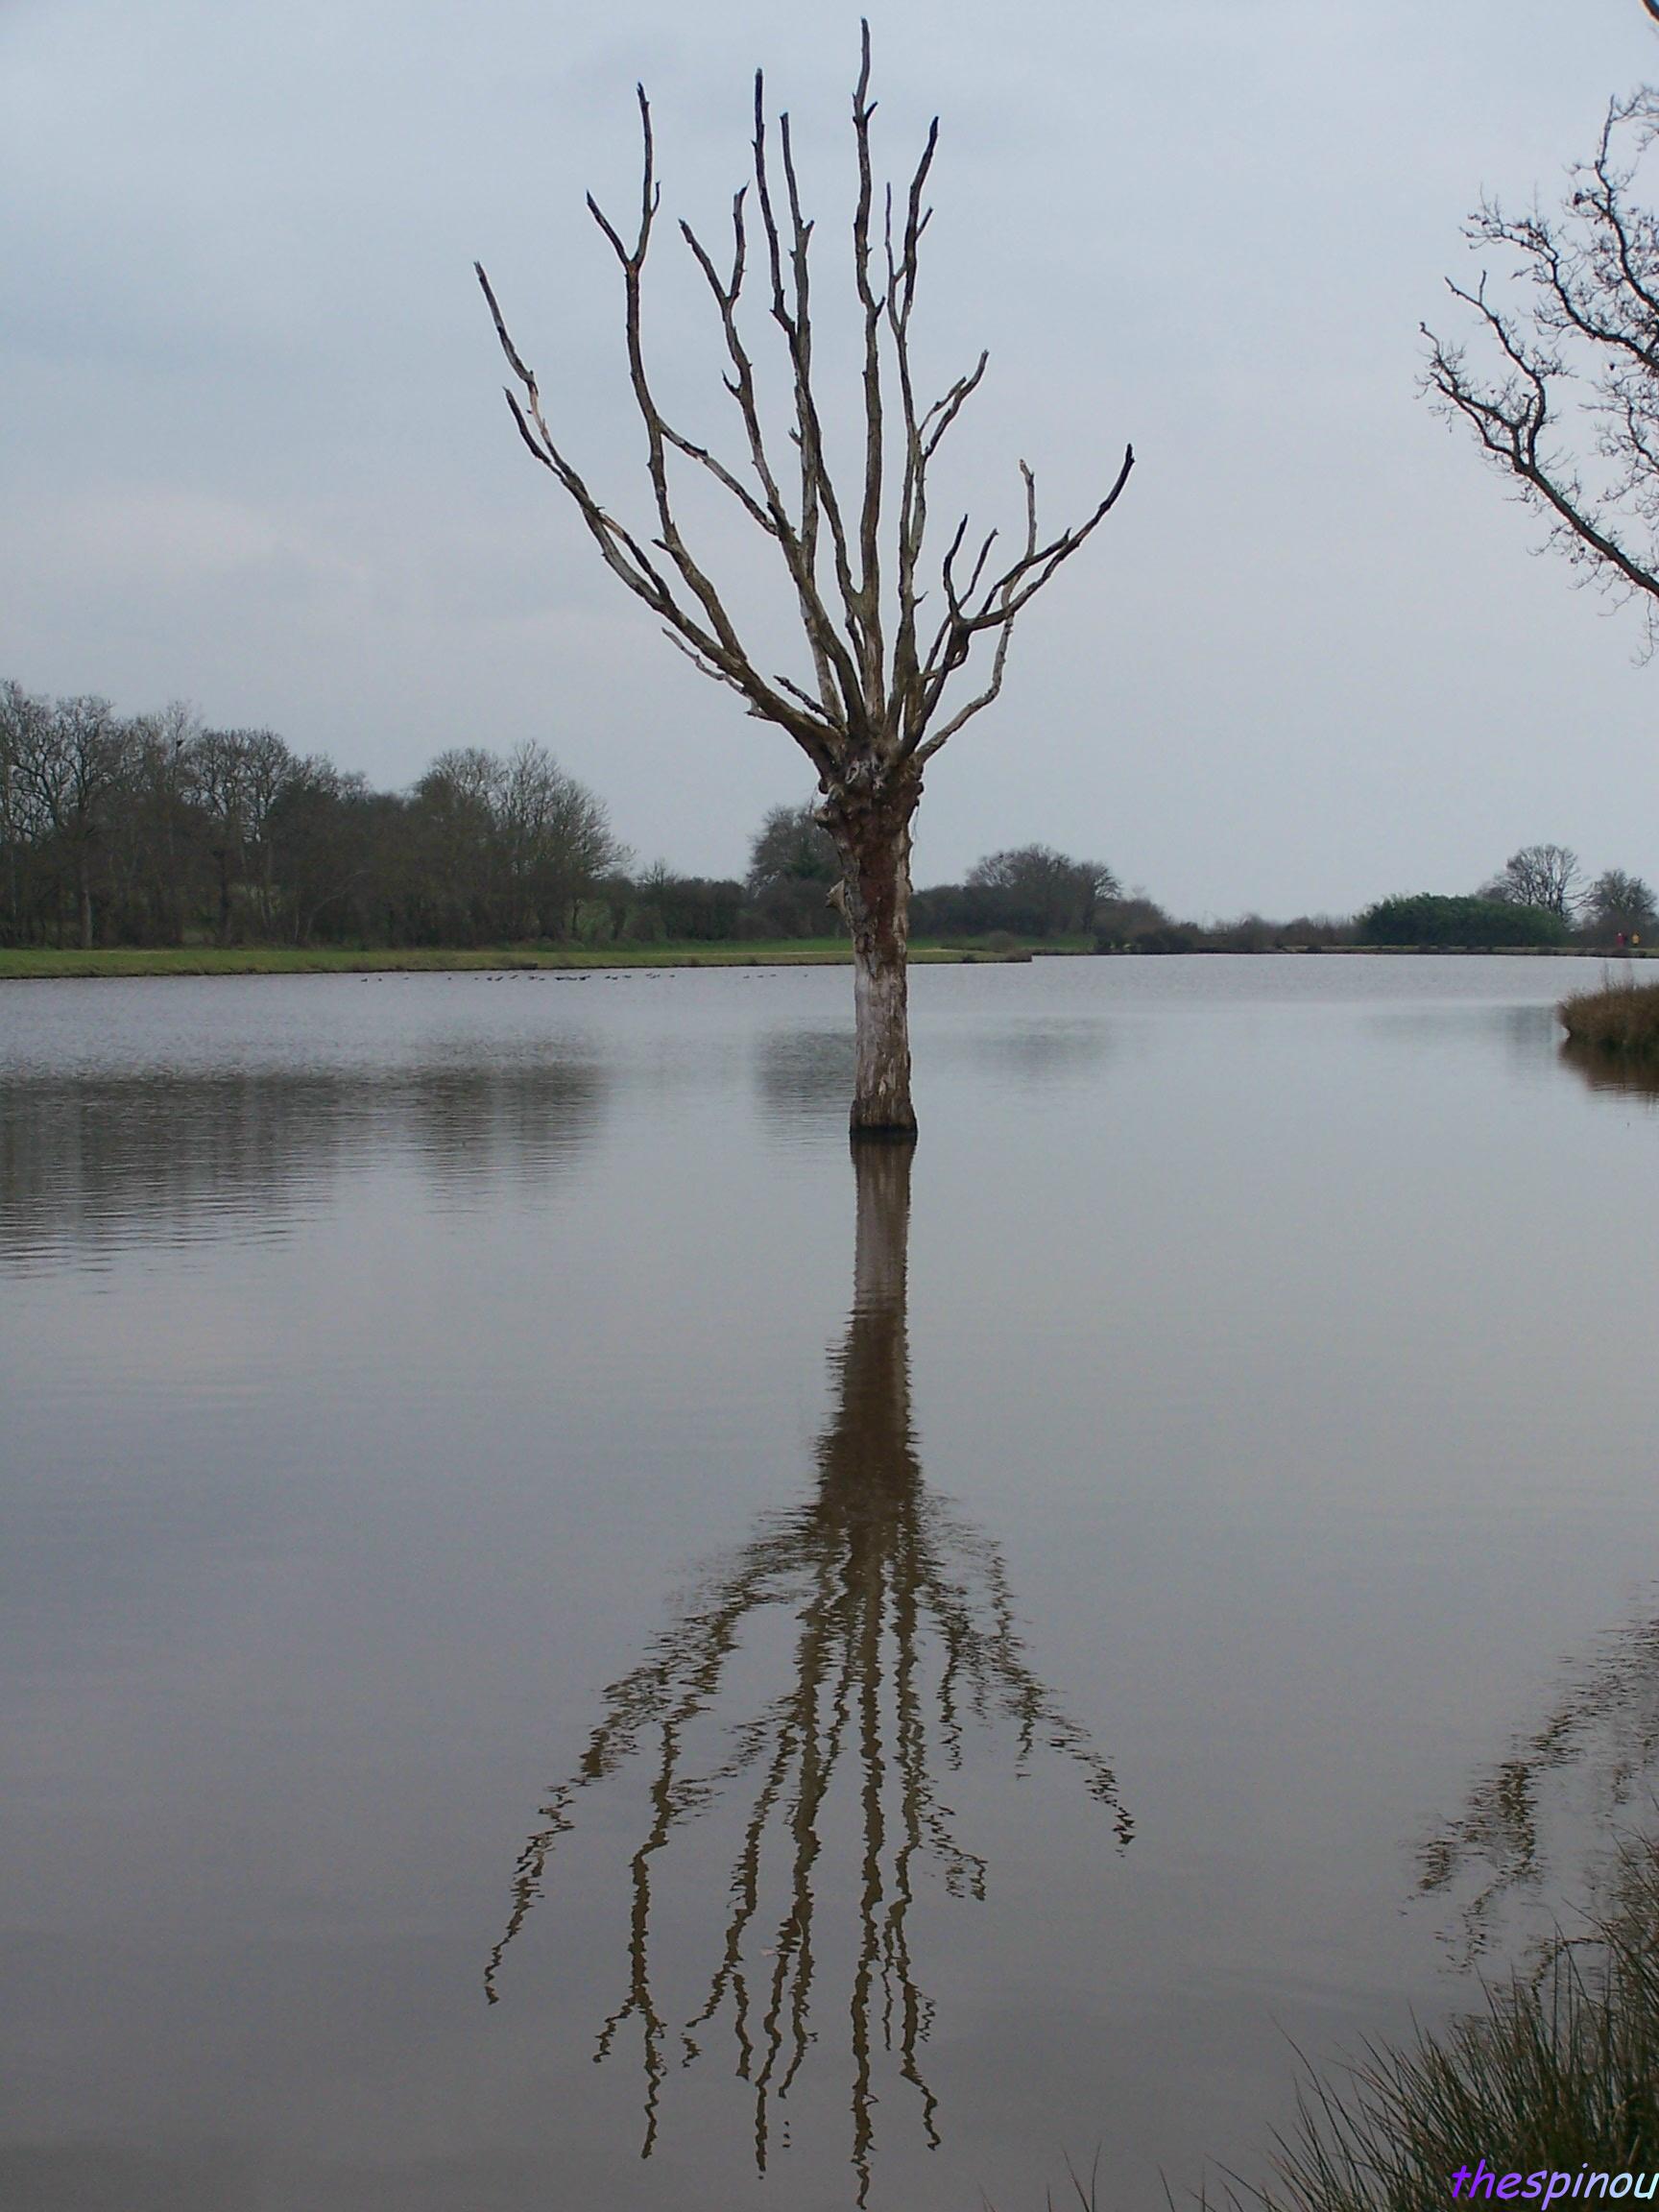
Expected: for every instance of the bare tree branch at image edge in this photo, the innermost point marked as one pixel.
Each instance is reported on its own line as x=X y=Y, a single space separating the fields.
x=876 y=710
x=1566 y=401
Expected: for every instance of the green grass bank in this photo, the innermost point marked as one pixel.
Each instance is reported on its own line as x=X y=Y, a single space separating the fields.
x=20 y=965
x=346 y=960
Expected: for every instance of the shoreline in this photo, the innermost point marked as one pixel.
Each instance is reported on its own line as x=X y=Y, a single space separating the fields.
x=112 y=963
x=58 y=965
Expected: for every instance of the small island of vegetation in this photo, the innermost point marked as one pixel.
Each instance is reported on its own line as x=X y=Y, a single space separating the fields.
x=1623 y=1017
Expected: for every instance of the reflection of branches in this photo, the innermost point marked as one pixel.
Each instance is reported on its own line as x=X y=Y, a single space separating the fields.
x=1606 y=1727
x=90 y=1164
x=902 y=1624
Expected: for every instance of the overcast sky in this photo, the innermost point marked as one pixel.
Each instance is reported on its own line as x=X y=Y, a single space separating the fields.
x=256 y=456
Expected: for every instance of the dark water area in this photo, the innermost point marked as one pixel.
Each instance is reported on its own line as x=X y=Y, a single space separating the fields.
x=566 y=1645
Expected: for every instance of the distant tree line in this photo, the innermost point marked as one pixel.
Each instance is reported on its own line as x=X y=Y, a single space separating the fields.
x=1540 y=898
x=1023 y=895
x=156 y=829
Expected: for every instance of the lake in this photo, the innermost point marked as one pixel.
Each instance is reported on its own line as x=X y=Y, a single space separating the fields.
x=564 y=1646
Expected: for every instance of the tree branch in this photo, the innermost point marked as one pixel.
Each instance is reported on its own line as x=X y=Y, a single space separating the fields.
x=798 y=546
x=1509 y=419
x=869 y=723
x=628 y=559
x=1000 y=602
x=1586 y=337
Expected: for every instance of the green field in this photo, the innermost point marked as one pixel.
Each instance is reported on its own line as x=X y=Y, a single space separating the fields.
x=332 y=959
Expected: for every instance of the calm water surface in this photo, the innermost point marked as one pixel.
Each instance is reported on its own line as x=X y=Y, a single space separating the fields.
x=563 y=1650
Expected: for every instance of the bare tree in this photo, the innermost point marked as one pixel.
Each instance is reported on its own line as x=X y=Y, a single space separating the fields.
x=873 y=713
x=1547 y=877
x=794 y=878
x=1566 y=399
x=556 y=840
x=25 y=732
x=516 y=844
x=791 y=846
x=1618 y=904
x=239 y=775
x=151 y=841
x=66 y=765
x=1044 y=890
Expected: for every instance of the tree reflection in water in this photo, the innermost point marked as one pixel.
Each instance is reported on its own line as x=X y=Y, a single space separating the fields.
x=901 y=1629
x=1592 y=1767
x=1602 y=1737
x=95 y=1166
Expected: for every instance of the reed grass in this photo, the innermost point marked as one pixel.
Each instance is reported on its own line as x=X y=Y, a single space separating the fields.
x=1622 y=1017
x=1557 y=2070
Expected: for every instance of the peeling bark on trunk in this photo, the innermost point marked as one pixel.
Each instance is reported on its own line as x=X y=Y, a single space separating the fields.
x=875 y=846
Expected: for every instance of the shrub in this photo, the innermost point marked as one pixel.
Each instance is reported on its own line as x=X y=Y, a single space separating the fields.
x=1470 y=924
x=1139 y=926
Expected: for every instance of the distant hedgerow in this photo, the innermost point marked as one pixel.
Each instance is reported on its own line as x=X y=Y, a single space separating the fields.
x=1469 y=923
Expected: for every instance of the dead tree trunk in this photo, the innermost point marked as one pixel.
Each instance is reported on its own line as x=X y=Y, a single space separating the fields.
x=868 y=704
x=873 y=841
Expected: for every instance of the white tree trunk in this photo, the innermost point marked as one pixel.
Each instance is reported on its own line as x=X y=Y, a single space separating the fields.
x=876 y=890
